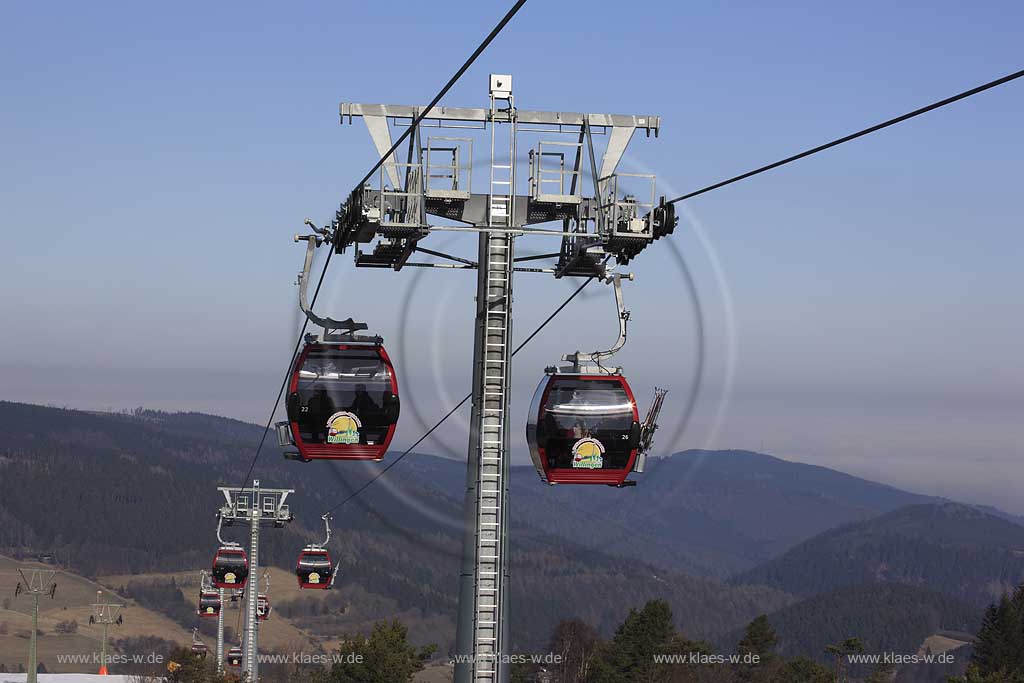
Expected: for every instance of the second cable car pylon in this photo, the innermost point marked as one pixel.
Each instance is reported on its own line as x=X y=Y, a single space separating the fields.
x=436 y=179
x=257 y=507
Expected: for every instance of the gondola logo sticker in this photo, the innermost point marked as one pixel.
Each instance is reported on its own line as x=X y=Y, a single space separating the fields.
x=588 y=454
x=229 y=577
x=343 y=427
x=314 y=577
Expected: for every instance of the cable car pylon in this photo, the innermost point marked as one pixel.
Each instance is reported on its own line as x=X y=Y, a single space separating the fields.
x=36 y=582
x=105 y=614
x=384 y=222
x=258 y=507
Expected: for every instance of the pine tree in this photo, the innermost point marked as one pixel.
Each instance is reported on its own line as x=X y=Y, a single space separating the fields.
x=990 y=647
x=1000 y=645
x=757 y=648
x=841 y=652
x=630 y=655
x=801 y=670
x=386 y=656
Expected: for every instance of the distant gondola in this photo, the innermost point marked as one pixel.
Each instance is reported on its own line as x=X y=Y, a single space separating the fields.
x=314 y=568
x=234 y=657
x=584 y=429
x=230 y=567
x=262 y=607
x=199 y=648
x=209 y=603
x=342 y=401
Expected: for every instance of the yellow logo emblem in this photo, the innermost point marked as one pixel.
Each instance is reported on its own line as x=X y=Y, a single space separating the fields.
x=343 y=427
x=588 y=454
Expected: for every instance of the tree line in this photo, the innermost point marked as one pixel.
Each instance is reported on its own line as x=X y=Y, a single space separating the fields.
x=645 y=648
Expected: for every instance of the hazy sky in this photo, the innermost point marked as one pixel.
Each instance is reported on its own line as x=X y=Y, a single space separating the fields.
x=860 y=309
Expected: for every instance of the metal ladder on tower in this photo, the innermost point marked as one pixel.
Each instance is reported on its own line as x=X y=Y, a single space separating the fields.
x=491 y=531
x=501 y=194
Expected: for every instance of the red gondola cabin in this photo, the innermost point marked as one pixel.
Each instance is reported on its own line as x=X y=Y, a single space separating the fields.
x=234 y=657
x=209 y=603
x=230 y=568
x=262 y=607
x=583 y=429
x=314 y=568
x=342 y=401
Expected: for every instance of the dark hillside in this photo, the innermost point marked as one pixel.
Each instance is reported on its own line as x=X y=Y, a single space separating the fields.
x=117 y=493
x=955 y=549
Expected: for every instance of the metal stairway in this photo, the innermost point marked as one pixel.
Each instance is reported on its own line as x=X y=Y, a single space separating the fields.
x=492 y=481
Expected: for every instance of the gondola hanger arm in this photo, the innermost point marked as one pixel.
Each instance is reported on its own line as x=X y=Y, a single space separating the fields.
x=348 y=326
x=579 y=359
x=327 y=525
x=615 y=279
x=220 y=525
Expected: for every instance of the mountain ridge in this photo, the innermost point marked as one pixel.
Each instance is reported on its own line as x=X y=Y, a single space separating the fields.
x=887 y=617
x=736 y=509
x=147 y=484
x=959 y=550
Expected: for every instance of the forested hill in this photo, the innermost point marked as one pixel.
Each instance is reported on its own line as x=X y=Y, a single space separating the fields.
x=118 y=493
x=712 y=513
x=955 y=549
x=885 y=617
x=704 y=513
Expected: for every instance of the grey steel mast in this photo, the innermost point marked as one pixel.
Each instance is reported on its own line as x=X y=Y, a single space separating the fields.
x=482 y=607
x=105 y=614
x=36 y=583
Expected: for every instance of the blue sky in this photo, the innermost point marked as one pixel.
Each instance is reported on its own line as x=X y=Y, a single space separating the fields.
x=861 y=309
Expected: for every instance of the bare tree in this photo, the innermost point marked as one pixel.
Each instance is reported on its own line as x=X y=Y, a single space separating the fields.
x=574 y=642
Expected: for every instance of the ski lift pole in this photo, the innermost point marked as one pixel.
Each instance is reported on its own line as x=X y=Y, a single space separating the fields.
x=33 y=652
x=38 y=582
x=104 y=614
